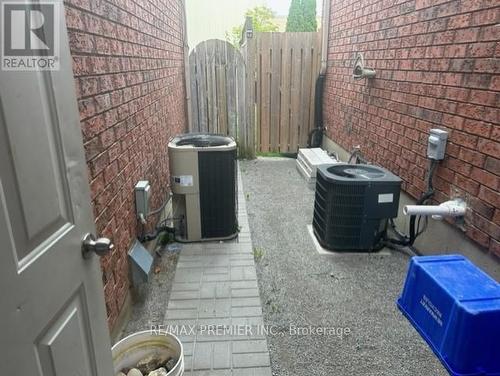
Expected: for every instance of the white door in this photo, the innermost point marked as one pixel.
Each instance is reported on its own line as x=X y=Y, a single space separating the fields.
x=52 y=312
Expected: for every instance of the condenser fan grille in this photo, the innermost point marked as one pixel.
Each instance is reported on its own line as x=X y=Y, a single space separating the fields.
x=357 y=172
x=202 y=140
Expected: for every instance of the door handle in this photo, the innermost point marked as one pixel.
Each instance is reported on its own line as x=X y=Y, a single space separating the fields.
x=100 y=246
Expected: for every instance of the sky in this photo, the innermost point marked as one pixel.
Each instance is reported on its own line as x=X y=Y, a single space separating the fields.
x=208 y=19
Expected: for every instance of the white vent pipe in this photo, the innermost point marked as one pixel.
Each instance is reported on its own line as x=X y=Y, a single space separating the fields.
x=453 y=208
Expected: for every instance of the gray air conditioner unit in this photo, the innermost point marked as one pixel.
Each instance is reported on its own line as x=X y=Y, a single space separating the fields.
x=203 y=183
x=352 y=205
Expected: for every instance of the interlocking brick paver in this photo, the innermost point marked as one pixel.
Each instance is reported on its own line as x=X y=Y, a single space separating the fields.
x=244 y=284
x=245 y=302
x=246 y=311
x=261 y=371
x=221 y=355
x=202 y=358
x=184 y=295
x=252 y=346
x=182 y=314
x=215 y=291
x=251 y=360
x=244 y=293
x=183 y=304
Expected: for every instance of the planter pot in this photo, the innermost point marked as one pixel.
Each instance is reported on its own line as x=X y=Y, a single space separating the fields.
x=131 y=349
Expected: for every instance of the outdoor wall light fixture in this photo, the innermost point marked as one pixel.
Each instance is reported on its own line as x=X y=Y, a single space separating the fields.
x=359 y=72
x=247 y=29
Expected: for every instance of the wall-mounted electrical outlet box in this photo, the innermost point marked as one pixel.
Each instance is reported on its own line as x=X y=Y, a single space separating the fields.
x=437 y=144
x=142 y=195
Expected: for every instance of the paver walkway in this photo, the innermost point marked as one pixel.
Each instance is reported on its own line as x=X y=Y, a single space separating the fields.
x=215 y=306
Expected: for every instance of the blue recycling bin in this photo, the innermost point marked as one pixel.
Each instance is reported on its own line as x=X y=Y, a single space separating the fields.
x=455 y=307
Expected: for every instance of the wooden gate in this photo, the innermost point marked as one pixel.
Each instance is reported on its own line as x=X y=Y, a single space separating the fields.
x=217 y=72
x=262 y=96
x=286 y=68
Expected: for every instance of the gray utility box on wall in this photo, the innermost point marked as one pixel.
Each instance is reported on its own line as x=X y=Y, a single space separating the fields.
x=142 y=195
x=436 y=146
x=203 y=183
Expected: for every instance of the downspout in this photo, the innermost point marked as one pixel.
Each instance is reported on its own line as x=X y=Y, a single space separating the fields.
x=315 y=138
x=187 y=77
x=325 y=30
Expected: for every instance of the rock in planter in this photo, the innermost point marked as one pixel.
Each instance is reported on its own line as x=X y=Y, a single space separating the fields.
x=134 y=372
x=159 y=372
x=170 y=364
x=152 y=362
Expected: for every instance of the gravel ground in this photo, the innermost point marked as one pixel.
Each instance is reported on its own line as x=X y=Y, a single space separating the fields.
x=151 y=299
x=300 y=287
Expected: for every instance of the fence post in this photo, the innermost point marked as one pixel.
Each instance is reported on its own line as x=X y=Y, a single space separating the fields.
x=247 y=141
x=187 y=71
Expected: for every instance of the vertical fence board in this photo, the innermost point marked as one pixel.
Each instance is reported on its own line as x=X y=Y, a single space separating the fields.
x=266 y=92
x=194 y=89
x=258 y=92
x=217 y=84
x=201 y=92
x=212 y=89
x=285 y=79
x=241 y=100
x=295 y=91
x=288 y=66
x=232 y=109
x=249 y=50
x=275 y=77
x=222 y=114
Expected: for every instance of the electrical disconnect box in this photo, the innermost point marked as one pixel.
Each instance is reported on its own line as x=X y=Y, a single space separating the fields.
x=437 y=144
x=142 y=194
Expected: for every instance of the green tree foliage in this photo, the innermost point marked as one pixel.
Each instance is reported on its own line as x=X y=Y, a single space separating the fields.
x=295 y=18
x=302 y=16
x=262 y=18
x=310 y=20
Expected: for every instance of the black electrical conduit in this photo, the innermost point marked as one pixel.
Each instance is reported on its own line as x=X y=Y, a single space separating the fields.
x=157 y=231
x=315 y=137
x=162 y=206
x=160 y=226
x=402 y=239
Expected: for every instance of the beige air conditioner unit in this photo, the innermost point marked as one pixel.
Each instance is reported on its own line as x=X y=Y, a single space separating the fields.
x=203 y=182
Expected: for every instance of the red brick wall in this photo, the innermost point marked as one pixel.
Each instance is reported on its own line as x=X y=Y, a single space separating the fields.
x=437 y=66
x=128 y=63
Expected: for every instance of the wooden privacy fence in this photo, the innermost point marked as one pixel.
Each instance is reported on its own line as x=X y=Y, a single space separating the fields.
x=262 y=96
x=286 y=68
x=217 y=75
